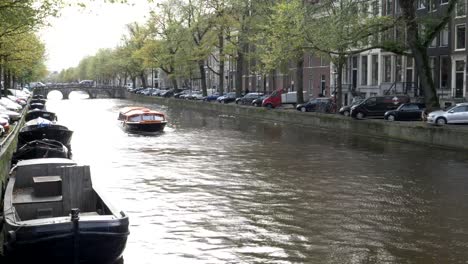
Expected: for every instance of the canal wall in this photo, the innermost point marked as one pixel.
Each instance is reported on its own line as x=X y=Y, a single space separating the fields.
x=417 y=132
x=7 y=148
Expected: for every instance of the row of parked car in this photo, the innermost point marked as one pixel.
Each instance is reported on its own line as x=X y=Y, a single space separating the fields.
x=390 y=108
x=400 y=108
x=11 y=106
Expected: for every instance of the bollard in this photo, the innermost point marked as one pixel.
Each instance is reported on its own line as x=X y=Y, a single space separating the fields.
x=75 y=217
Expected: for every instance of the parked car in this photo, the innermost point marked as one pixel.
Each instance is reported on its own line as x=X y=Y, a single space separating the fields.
x=377 y=106
x=9 y=104
x=248 y=98
x=179 y=94
x=279 y=97
x=212 y=97
x=227 y=98
x=406 y=112
x=454 y=115
x=319 y=104
x=5 y=125
x=258 y=102
x=197 y=96
x=346 y=110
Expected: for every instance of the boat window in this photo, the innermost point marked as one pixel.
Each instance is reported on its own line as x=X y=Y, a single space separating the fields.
x=148 y=118
x=136 y=118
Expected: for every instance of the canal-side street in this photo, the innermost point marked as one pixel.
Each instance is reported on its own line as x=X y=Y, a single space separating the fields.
x=221 y=189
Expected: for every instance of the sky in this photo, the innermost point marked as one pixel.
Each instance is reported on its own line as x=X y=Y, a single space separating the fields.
x=79 y=32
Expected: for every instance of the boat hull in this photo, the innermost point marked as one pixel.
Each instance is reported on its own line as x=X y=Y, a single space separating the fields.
x=144 y=127
x=96 y=242
x=41 y=149
x=38 y=132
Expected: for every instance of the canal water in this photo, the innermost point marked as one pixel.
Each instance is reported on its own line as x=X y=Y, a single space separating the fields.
x=221 y=189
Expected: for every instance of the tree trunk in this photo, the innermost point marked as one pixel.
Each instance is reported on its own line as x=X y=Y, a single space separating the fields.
x=143 y=79
x=420 y=55
x=221 y=62
x=239 y=69
x=264 y=83
x=300 y=80
x=201 y=67
x=273 y=78
x=174 y=83
x=339 y=83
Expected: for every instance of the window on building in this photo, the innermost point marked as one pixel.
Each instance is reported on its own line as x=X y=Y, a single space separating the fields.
x=421 y=4
x=387 y=71
x=444 y=37
x=443 y=2
x=399 y=69
x=389 y=7
x=364 y=8
x=311 y=62
x=323 y=83
x=460 y=36
x=444 y=71
x=375 y=8
x=364 y=70
x=431 y=4
x=375 y=69
x=433 y=43
x=324 y=61
x=432 y=66
x=461 y=8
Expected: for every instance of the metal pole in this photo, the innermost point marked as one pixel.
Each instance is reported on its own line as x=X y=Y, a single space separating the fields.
x=75 y=217
x=152 y=77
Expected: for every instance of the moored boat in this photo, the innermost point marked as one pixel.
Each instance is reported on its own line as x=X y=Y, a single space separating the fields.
x=38 y=101
x=53 y=214
x=41 y=128
x=35 y=113
x=142 y=119
x=37 y=106
x=41 y=148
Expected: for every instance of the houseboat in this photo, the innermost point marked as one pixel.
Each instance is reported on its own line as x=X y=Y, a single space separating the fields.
x=142 y=119
x=54 y=214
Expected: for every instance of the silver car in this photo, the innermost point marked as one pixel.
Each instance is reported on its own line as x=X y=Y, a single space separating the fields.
x=453 y=115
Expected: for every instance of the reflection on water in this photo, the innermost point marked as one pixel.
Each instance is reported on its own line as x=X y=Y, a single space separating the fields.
x=221 y=189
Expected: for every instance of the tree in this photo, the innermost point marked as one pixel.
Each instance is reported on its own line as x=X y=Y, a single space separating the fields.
x=420 y=32
x=282 y=41
x=339 y=29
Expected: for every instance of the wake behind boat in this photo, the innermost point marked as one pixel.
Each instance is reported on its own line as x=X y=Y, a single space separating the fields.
x=142 y=119
x=53 y=214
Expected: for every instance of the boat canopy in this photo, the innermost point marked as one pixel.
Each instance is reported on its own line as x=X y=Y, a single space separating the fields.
x=137 y=114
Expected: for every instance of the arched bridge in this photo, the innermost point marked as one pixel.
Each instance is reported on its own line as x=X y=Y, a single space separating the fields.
x=93 y=91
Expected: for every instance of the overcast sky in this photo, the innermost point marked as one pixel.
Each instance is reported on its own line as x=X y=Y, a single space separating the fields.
x=81 y=32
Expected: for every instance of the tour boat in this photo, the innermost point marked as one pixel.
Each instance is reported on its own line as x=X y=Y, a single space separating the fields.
x=54 y=214
x=35 y=113
x=41 y=128
x=142 y=119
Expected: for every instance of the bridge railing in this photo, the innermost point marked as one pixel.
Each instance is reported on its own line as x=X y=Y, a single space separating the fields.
x=77 y=86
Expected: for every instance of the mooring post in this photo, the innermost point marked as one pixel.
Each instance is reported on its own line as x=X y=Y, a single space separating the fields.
x=75 y=218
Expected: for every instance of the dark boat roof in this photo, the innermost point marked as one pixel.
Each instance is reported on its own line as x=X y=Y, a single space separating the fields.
x=45 y=161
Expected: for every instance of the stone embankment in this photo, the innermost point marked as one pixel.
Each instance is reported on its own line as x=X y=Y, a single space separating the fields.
x=7 y=148
x=455 y=137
